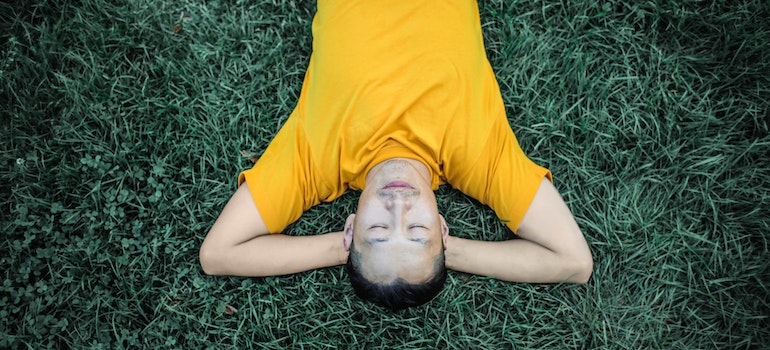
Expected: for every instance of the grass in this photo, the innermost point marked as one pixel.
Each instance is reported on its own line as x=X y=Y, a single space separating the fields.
x=125 y=123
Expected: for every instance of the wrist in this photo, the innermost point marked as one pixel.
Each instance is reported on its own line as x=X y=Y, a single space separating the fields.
x=343 y=256
x=338 y=249
x=452 y=252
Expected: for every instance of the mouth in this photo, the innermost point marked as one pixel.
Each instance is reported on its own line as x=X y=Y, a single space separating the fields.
x=398 y=185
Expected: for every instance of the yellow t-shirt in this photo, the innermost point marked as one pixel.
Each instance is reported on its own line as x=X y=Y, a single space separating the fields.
x=386 y=79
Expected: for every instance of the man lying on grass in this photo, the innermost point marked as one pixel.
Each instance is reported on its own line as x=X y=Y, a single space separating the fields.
x=398 y=98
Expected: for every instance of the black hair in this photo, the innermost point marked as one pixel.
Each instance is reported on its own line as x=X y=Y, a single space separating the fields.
x=398 y=294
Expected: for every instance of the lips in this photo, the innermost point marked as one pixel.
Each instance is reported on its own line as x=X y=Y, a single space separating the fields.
x=397 y=184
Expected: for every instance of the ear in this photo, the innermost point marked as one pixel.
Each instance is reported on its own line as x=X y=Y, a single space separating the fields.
x=348 y=233
x=444 y=230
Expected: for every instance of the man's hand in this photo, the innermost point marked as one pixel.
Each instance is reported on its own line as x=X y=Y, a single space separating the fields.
x=239 y=244
x=551 y=248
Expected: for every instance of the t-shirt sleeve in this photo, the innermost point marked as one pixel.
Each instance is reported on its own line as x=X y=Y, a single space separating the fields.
x=503 y=177
x=282 y=181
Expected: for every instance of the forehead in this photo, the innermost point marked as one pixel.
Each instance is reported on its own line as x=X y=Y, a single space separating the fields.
x=386 y=263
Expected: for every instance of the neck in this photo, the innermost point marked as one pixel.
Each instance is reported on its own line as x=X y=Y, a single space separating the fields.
x=409 y=167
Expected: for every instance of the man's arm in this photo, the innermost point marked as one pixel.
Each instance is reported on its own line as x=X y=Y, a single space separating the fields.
x=239 y=244
x=552 y=248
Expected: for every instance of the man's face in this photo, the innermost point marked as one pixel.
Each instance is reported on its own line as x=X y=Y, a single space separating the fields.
x=397 y=229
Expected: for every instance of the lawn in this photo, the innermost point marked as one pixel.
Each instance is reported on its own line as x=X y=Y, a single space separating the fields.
x=125 y=123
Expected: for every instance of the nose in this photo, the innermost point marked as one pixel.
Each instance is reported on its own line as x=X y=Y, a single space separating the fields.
x=399 y=200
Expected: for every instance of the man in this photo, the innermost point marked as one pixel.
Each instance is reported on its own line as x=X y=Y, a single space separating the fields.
x=398 y=98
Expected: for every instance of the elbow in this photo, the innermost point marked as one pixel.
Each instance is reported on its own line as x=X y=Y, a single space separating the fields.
x=582 y=269
x=209 y=260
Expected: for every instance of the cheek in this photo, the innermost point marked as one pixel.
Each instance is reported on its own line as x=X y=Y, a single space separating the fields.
x=366 y=202
x=427 y=212
x=428 y=202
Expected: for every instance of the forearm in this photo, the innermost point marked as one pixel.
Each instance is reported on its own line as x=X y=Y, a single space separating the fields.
x=515 y=260
x=271 y=255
